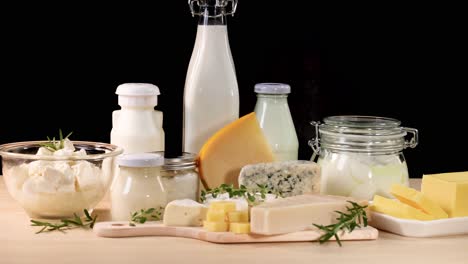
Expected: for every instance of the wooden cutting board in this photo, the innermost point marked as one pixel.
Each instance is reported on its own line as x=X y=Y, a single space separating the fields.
x=122 y=229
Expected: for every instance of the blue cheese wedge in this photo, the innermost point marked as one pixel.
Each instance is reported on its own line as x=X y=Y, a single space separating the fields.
x=287 y=178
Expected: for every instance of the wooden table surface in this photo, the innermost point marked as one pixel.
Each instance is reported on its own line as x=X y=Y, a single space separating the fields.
x=19 y=244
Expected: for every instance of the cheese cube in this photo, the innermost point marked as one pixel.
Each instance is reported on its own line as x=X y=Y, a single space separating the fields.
x=239 y=228
x=449 y=190
x=417 y=200
x=296 y=213
x=238 y=216
x=397 y=209
x=184 y=212
x=224 y=206
x=216 y=216
x=216 y=226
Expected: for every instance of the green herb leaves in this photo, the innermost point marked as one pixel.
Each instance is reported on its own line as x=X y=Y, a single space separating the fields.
x=66 y=224
x=54 y=145
x=140 y=217
x=252 y=196
x=354 y=218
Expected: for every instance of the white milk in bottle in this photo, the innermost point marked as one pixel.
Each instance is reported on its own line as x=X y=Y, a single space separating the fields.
x=275 y=119
x=211 y=95
x=137 y=127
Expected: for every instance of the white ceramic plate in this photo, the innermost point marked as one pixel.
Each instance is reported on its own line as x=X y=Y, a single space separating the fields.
x=416 y=228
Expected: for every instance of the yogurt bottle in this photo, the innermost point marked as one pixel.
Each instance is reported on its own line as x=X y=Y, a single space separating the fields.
x=275 y=119
x=137 y=127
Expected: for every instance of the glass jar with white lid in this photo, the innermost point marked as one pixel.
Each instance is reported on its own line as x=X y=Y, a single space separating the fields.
x=361 y=156
x=148 y=180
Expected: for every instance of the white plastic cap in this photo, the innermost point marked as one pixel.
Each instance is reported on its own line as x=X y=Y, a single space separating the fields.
x=140 y=160
x=272 y=88
x=138 y=94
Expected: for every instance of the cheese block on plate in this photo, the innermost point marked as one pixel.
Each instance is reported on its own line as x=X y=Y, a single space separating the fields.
x=240 y=143
x=297 y=213
x=398 y=209
x=449 y=190
x=287 y=178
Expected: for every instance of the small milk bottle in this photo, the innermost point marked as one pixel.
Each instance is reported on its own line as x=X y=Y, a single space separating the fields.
x=275 y=119
x=211 y=95
x=137 y=127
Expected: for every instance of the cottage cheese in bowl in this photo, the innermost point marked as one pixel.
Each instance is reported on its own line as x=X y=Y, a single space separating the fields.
x=58 y=183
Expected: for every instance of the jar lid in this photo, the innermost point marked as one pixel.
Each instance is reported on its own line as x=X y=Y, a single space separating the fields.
x=140 y=160
x=272 y=88
x=185 y=161
x=370 y=134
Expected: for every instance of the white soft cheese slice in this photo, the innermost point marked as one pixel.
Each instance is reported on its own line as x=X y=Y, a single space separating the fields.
x=184 y=212
x=296 y=213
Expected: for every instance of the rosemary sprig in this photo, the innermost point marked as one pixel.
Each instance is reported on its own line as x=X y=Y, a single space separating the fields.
x=53 y=144
x=66 y=224
x=355 y=217
x=140 y=217
x=252 y=196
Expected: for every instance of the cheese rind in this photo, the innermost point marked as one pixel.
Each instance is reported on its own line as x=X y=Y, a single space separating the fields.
x=288 y=178
x=234 y=146
x=398 y=209
x=296 y=213
x=449 y=190
x=184 y=212
x=417 y=200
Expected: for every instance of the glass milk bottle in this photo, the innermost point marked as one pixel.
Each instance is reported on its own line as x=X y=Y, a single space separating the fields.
x=137 y=127
x=275 y=119
x=211 y=95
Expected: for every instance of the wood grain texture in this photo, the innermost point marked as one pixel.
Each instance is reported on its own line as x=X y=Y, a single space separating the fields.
x=122 y=229
x=19 y=244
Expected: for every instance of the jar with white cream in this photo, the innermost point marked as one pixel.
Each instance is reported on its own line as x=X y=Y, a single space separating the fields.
x=147 y=180
x=361 y=156
x=137 y=185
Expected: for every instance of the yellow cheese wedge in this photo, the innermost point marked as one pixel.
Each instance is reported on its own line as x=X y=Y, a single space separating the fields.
x=238 y=216
x=239 y=228
x=216 y=226
x=417 y=200
x=397 y=209
x=238 y=144
x=449 y=190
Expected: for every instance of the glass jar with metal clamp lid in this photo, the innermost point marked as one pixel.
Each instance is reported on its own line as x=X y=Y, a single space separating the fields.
x=361 y=156
x=179 y=177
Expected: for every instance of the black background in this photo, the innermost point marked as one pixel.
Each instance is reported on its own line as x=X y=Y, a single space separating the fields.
x=62 y=63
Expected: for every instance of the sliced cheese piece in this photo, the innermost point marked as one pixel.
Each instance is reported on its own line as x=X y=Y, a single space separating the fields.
x=216 y=226
x=238 y=216
x=397 y=209
x=296 y=213
x=417 y=200
x=184 y=213
x=239 y=228
x=234 y=146
x=287 y=178
x=449 y=190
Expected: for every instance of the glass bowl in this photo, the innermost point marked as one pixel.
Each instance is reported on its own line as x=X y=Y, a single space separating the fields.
x=56 y=185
